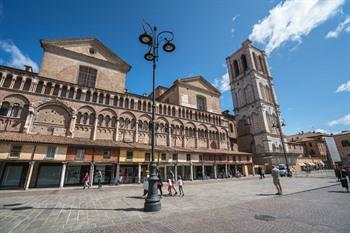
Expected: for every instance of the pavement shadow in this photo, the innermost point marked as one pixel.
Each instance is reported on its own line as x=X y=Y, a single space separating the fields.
x=337 y=191
x=266 y=194
x=13 y=204
x=54 y=208
x=136 y=197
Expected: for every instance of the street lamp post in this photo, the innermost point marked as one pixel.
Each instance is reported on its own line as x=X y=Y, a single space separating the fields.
x=152 y=39
x=279 y=127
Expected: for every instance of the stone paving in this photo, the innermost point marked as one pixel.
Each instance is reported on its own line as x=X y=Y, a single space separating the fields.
x=120 y=208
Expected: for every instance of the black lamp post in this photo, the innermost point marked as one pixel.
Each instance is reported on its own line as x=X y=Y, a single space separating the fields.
x=152 y=39
x=279 y=127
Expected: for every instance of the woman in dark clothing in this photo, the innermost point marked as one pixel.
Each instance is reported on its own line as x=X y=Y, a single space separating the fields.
x=160 y=183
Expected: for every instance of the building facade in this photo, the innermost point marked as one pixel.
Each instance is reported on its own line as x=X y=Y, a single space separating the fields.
x=75 y=116
x=255 y=105
x=342 y=141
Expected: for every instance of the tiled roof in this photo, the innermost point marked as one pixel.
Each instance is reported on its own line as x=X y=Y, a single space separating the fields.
x=48 y=139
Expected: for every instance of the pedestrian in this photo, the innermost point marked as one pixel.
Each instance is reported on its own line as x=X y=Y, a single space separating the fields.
x=180 y=182
x=86 y=180
x=276 y=180
x=170 y=185
x=343 y=180
x=145 y=186
x=160 y=183
x=262 y=173
x=337 y=172
x=99 y=179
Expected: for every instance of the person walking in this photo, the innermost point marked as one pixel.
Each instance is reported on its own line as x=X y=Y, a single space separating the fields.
x=343 y=180
x=160 y=183
x=145 y=186
x=86 y=180
x=180 y=182
x=99 y=179
x=173 y=184
x=170 y=185
x=276 y=180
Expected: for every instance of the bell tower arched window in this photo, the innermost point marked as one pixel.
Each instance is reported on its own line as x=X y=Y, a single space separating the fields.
x=236 y=68
x=244 y=62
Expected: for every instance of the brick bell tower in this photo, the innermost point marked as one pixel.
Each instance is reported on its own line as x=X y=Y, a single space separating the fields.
x=255 y=105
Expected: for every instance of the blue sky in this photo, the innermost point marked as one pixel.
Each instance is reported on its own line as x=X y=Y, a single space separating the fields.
x=308 y=44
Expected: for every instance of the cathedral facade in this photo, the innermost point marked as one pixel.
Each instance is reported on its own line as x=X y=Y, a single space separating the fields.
x=75 y=116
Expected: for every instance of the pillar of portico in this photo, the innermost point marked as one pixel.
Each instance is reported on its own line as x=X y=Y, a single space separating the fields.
x=175 y=168
x=139 y=174
x=92 y=172
x=191 y=170
x=226 y=170
x=63 y=174
x=117 y=174
x=203 y=171
x=196 y=138
x=29 y=175
x=215 y=171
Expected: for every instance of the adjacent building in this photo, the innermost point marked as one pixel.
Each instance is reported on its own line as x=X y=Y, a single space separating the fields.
x=342 y=141
x=75 y=116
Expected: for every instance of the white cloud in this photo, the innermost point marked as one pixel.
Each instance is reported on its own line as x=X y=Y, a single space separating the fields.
x=223 y=83
x=17 y=58
x=343 y=26
x=343 y=87
x=322 y=131
x=233 y=29
x=345 y=120
x=292 y=19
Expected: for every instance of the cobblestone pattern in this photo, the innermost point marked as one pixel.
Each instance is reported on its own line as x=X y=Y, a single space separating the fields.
x=122 y=206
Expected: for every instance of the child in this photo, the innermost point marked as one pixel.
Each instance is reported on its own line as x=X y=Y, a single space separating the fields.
x=170 y=185
x=86 y=180
x=145 y=186
x=173 y=182
x=180 y=182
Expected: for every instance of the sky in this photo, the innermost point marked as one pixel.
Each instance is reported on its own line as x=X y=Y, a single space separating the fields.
x=307 y=42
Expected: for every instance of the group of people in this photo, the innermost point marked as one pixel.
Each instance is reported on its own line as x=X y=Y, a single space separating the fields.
x=87 y=183
x=171 y=185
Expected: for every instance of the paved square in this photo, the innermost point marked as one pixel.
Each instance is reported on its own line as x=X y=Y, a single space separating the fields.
x=207 y=206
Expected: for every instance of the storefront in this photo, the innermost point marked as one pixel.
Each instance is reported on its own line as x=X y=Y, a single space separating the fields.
x=129 y=173
x=49 y=175
x=197 y=172
x=221 y=171
x=106 y=171
x=13 y=175
x=75 y=174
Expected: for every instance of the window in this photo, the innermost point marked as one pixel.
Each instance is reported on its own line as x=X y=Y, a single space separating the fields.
x=15 y=151
x=4 y=108
x=129 y=155
x=80 y=154
x=188 y=157
x=163 y=157
x=106 y=154
x=310 y=144
x=200 y=157
x=51 y=152
x=87 y=76
x=345 y=143
x=147 y=157
x=201 y=103
x=174 y=157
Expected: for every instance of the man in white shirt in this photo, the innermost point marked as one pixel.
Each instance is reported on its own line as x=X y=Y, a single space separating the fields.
x=276 y=180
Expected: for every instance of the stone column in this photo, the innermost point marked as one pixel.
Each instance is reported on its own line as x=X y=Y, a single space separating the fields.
x=94 y=130
x=196 y=139
x=44 y=87
x=183 y=139
x=175 y=172
x=219 y=141
x=111 y=100
x=169 y=136
x=208 y=143
x=29 y=119
x=245 y=170
x=63 y=174
x=75 y=93
x=92 y=172
x=52 y=88
x=136 y=136
x=117 y=173
x=226 y=170
x=191 y=169
x=59 y=91
x=33 y=85
x=83 y=94
x=22 y=83
x=139 y=174
x=2 y=80
x=13 y=81
x=29 y=175
x=215 y=171
x=203 y=171
x=72 y=124
x=165 y=175
x=116 y=136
